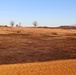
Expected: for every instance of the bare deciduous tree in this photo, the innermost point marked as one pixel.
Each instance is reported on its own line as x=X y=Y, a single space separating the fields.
x=19 y=24
x=35 y=23
x=12 y=23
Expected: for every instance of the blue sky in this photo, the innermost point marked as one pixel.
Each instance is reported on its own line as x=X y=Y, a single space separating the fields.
x=45 y=12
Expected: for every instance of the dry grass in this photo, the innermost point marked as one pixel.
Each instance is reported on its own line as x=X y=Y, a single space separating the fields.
x=37 y=51
x=37 y=30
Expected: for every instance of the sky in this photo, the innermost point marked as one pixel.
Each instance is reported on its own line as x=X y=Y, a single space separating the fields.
x=49 y=13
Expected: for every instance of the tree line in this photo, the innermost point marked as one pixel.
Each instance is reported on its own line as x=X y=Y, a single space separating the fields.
x=19 y=25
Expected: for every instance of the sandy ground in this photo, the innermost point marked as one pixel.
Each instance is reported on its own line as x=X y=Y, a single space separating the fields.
x=63 y=67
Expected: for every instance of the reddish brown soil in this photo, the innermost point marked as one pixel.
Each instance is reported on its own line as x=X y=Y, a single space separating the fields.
x=26 y=45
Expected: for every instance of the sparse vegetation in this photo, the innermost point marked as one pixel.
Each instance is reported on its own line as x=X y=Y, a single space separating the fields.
x=35 y=24
x=12 y=23
x=54 y=33
x=17 y=25
x=39 y=49
x=71 y=37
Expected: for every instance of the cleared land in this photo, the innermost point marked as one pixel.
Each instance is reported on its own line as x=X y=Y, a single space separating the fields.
x=39 y=49
x=63 y=67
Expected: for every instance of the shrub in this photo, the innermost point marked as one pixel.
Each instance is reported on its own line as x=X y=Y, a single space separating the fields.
x=54 y=33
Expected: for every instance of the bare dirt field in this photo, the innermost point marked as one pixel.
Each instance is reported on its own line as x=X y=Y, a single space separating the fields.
x=39 y=51
x=62 y=67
